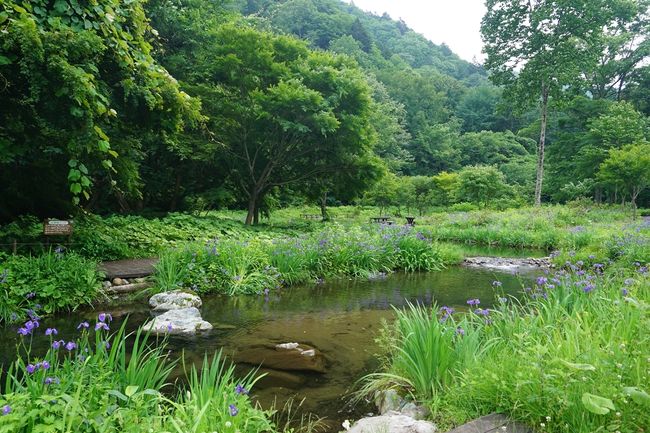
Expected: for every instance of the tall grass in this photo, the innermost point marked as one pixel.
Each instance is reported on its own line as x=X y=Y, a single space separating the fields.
x=574 y=357
x=429 y=349
x=114 y=383
x=246 y=267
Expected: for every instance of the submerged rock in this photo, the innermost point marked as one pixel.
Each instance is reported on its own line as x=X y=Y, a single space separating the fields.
x=174 y=300
x=508 y=264
x=392 y=422
x=186 y=322
x=286 y=356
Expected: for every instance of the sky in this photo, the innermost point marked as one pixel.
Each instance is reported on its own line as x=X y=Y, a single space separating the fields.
x=455 y=22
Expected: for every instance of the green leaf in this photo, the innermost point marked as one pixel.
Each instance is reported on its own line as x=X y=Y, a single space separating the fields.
x=130 y=390
x=597 y=404
x=118 y=394
x=582 y=367
x=75 y=188
x=74 y=174
x=5 y=60
x=83 y=169
x=103 y=145
x=638 y=395
x=73 y=163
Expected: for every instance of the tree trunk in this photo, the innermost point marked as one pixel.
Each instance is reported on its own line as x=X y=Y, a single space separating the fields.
x=256 y=215
x=635 y=193
x=177 y=188
x=323 y=207
x=252 y=205
x=540 y=150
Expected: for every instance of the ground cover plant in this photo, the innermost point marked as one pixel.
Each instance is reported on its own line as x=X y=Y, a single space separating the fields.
x=572 y=355
x=96 y=382
x=51 y=282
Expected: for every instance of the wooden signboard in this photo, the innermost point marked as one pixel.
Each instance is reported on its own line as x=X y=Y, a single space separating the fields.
x=52 y=227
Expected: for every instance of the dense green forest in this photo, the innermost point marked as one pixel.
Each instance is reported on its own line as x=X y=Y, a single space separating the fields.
x=117 y=106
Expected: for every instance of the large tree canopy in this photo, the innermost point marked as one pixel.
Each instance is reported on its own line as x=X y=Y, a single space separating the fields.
x=540 y=49
x=80 y=94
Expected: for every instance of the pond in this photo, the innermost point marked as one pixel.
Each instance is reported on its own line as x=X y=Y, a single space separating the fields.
x=340 y=318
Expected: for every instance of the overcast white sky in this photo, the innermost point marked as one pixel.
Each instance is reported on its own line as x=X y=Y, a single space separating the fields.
x=454 y=22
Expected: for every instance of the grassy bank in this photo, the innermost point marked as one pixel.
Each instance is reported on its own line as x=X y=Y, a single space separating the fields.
x=93 y=382
x=251 y=267
x=216 y=253
x=573 y=358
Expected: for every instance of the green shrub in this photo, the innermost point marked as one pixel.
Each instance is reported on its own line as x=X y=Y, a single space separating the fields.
x=52 y=282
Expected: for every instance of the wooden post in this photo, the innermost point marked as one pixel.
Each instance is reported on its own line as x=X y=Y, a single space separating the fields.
x=15 y=247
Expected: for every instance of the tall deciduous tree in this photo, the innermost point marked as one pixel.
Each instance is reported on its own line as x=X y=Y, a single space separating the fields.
x=539 y=49
x=284 y=113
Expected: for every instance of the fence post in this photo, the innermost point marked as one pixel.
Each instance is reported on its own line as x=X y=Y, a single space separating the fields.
x=15 y=246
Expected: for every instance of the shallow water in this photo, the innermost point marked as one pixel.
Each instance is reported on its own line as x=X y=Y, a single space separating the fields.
x=340 y=318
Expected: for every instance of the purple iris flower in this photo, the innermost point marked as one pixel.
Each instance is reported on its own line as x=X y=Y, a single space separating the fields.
x=588 y=288
x=497 y=283
x=169 y=327
x=30 y=295
x=541 y=281
x=51 y=380
x=70 y=346
x=239 y=389
x=24 y=331
x=101 y=325
x=460 y=331
x=57 y=344
x=51 y=331
x=482 y=312
x=105 y=317
x=625 y=292
x=44 y=365
x=31 y=368
x=84 y=325
x=233 y=410
x=473 y=302
x=6 y=409
x=503 y=300
x=107 y=344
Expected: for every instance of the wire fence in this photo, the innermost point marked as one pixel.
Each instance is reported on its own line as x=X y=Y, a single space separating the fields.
x=14 y=246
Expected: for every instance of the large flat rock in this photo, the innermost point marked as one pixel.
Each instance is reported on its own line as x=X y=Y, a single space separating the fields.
x=185 y=322
x=492 y=423
x=392 y=422
x=289 y=357
x=174 y=300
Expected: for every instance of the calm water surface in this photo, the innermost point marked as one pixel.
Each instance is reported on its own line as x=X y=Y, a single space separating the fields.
x=340 y=318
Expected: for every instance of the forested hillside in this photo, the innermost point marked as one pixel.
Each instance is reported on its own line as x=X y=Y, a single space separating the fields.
x=191 y=104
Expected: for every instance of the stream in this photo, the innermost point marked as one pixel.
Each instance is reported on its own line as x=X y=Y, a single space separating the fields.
x=341 y=318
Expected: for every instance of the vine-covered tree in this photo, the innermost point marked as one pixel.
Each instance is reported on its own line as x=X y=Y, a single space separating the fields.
x=81 y=96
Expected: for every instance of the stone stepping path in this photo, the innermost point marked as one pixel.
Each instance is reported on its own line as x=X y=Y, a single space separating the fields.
x=493 y=423
x=136 y=268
